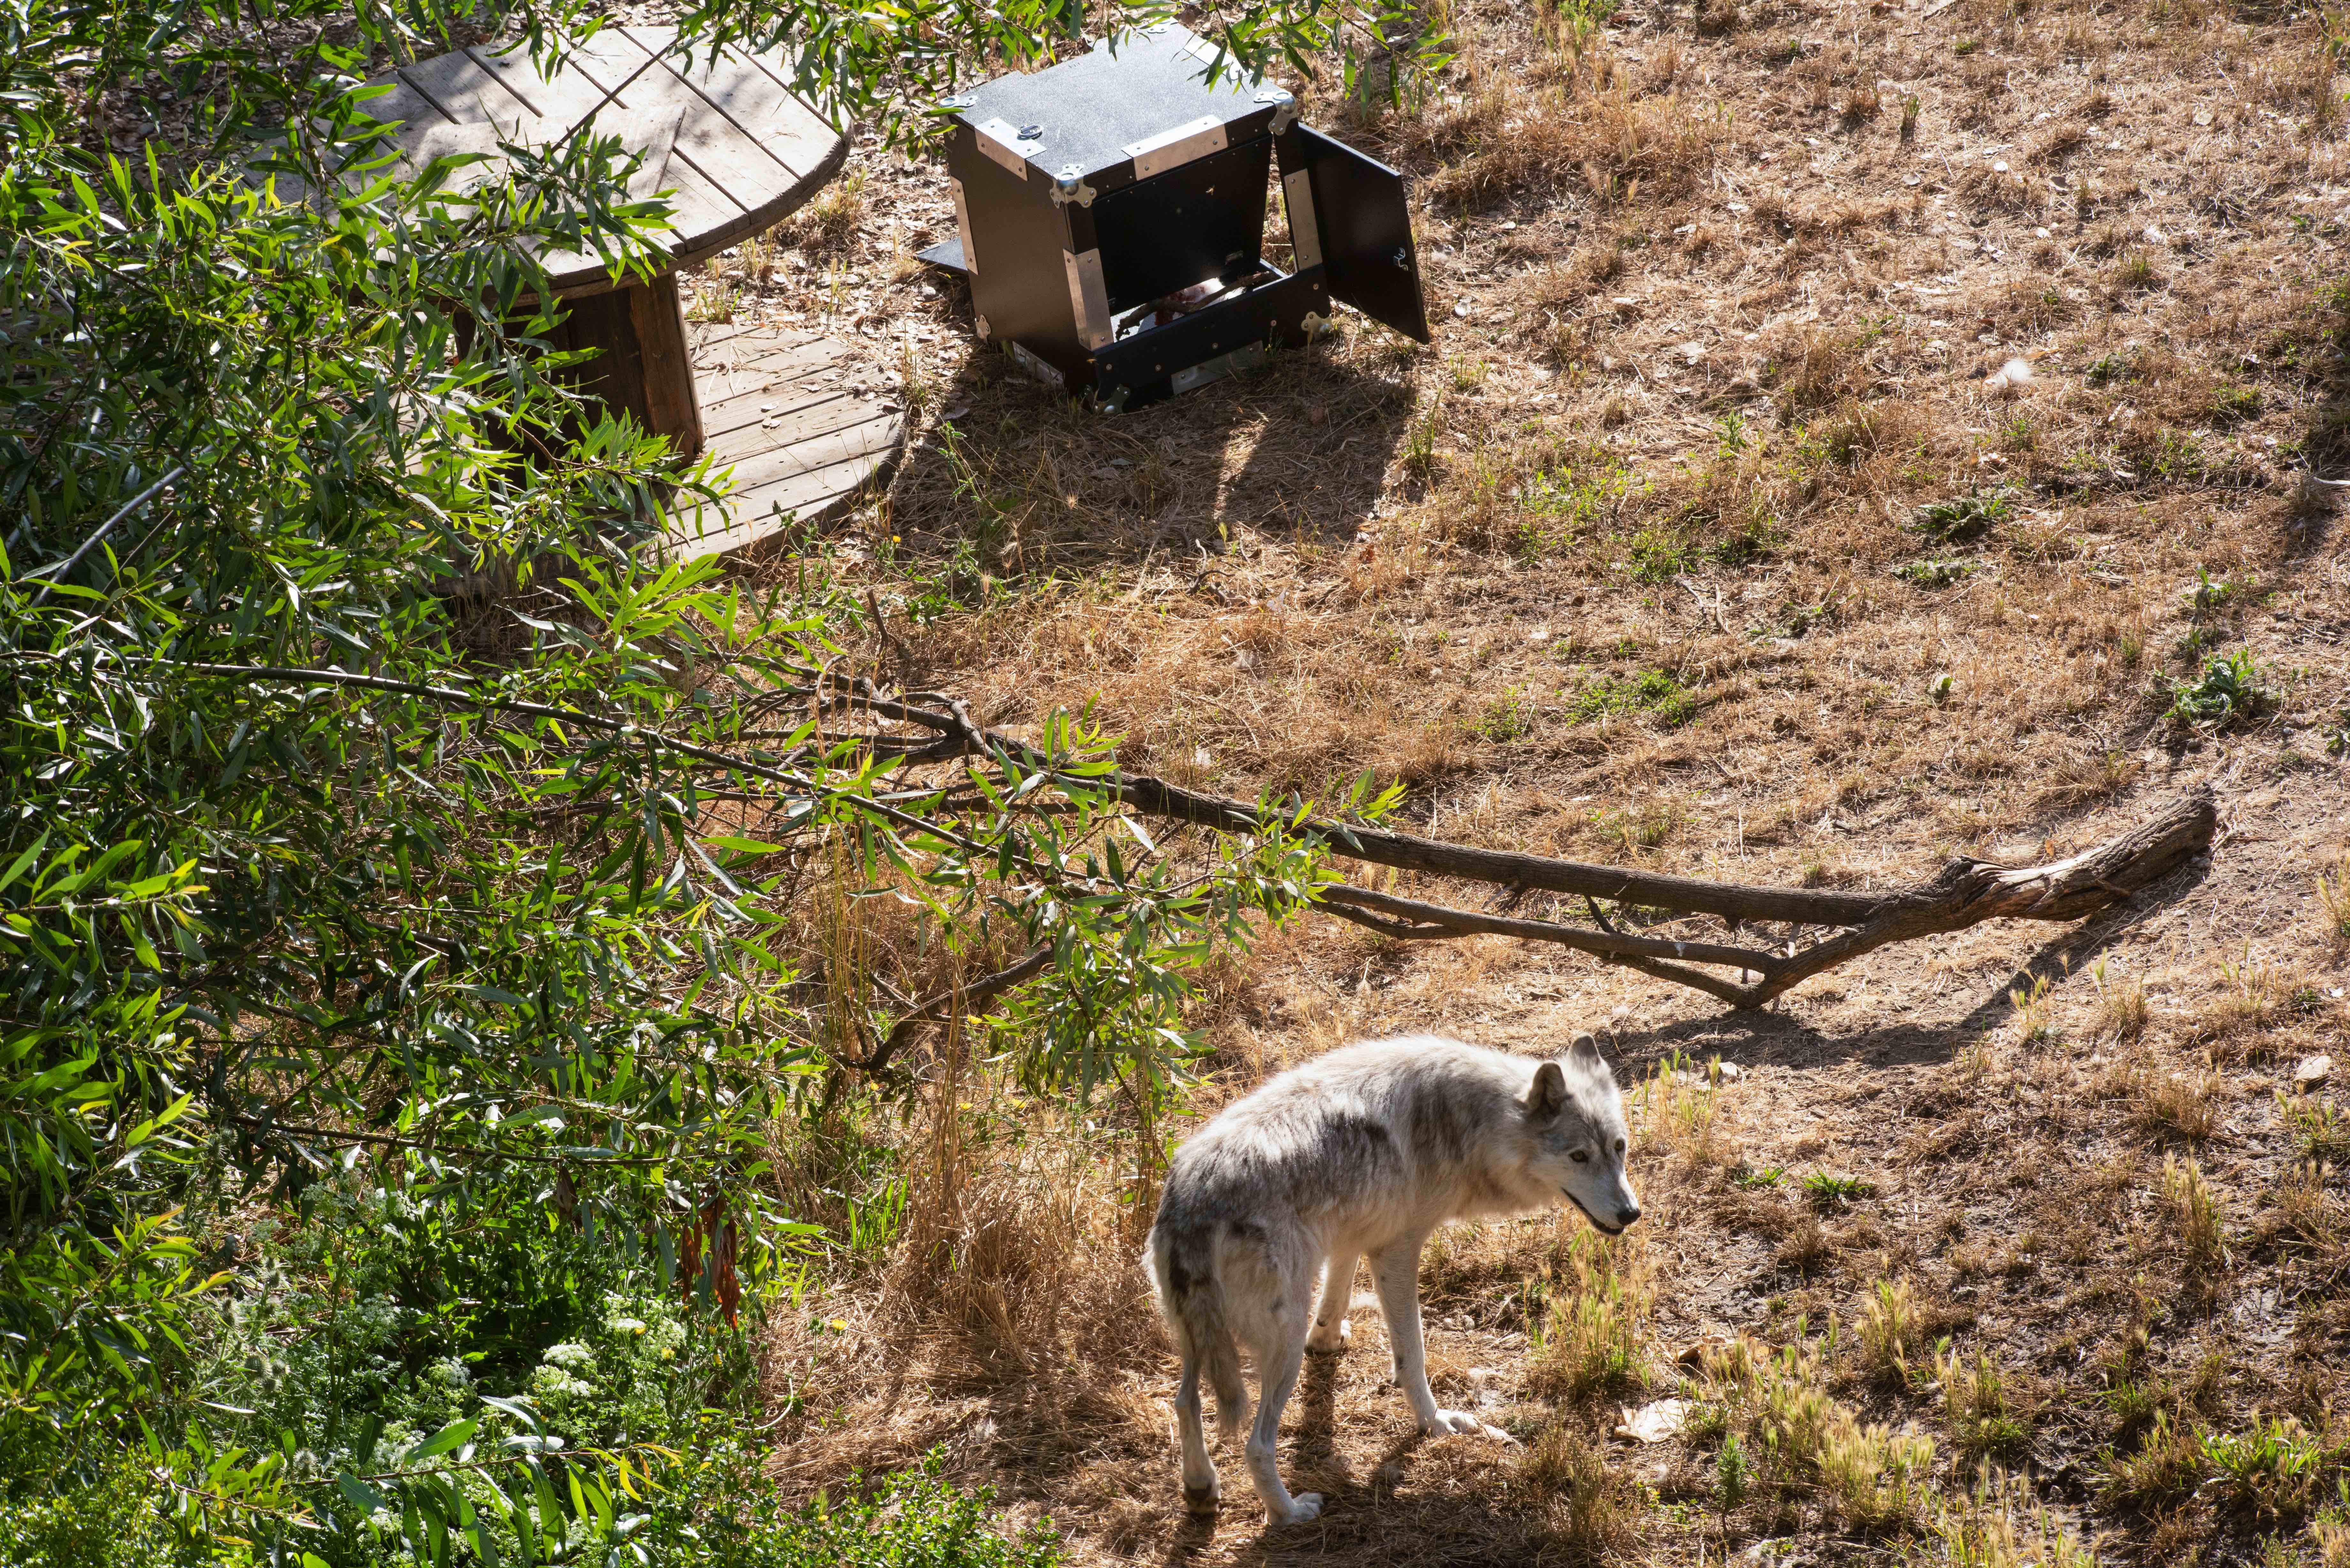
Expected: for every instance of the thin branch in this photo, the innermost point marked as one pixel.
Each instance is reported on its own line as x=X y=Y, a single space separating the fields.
x=973 y=996
x=1435 y=921
x=1406 y=851
x=52 y=574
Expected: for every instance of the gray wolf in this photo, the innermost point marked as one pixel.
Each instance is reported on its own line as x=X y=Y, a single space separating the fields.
x=1362 y=1152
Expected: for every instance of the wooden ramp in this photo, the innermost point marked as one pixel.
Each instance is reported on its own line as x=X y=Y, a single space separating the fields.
x=778 y=408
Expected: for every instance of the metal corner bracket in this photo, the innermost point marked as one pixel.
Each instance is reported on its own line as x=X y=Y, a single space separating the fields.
x=1071 y=187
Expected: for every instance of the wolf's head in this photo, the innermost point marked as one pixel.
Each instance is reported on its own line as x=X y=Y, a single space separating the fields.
x=1577 y=1118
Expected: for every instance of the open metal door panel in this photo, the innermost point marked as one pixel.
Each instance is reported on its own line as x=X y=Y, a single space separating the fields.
x=1365 y=233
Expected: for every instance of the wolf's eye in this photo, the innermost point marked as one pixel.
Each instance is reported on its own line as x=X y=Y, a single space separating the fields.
x=1619 y=1145
x=1580 y=1157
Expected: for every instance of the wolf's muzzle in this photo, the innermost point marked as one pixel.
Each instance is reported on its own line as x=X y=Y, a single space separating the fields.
x=1616 y=1229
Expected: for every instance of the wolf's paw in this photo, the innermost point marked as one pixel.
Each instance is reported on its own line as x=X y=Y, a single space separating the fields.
x=1305 y=1505
x=1200 y=1500
x=1451 y=1421
x=1330 y=1338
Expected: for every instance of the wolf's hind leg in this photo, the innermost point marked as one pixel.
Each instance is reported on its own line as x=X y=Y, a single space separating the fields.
x=1200 y=1488
x=1396 y=1270
x=1279 y=1365
x=1330 y=1325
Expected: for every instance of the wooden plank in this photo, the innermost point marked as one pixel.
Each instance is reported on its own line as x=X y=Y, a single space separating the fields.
x=465 y=92
x=715 y=141
x=613 y=63
x=413 y=110
x=865 y=438
x=659 y=329
x=572 y=94
x=779 y=372
x=770 y=400
x=795 y=492
x=748 y=433
x=731 y=174
x=810 y=479
x=758 y=107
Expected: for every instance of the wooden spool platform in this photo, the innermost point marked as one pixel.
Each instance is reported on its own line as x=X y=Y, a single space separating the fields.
x=778 y=408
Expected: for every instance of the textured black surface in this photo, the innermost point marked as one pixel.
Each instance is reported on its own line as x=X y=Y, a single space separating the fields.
x=1090 y=108
x=947 y=253
x=1203 y=220
x=1366 y=233
x=1136 y=371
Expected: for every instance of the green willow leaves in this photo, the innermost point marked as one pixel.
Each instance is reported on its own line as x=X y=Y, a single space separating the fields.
x=311 y=907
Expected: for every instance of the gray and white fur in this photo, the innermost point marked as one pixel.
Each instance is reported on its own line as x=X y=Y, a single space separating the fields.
x=1360 y=1153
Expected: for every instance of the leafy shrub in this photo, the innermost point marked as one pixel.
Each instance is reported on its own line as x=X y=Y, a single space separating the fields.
x=913 y=1520
x=2227 y=689
x=1828 y=1191
x=1934 y=574
x=2271 y=1468
x=1507 y=718
x=1974 y=1401
x=1965 y=517
x=1652 y=691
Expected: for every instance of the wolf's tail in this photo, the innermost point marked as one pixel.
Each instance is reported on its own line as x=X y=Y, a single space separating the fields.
x=1184 y=1266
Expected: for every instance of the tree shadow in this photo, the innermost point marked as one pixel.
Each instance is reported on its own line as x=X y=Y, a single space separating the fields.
x=1006 y=479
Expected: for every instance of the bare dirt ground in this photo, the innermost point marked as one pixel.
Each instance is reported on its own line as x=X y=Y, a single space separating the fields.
x=1699 y=539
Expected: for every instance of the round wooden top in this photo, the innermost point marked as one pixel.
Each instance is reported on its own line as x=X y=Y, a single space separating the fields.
x=735 y=148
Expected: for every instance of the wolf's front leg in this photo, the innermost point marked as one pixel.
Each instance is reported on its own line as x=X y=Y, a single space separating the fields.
x=1396 y=1270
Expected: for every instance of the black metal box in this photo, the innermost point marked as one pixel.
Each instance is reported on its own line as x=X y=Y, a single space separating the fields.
x=1110 y=216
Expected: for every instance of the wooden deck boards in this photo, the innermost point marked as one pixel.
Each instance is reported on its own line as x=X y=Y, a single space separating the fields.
x=779 y=408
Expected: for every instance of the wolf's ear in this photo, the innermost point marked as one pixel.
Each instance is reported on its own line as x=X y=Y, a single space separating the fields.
x=1549 y=1092
x=1586 y=1050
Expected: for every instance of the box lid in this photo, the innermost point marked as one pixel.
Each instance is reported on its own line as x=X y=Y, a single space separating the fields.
x=1087 y=118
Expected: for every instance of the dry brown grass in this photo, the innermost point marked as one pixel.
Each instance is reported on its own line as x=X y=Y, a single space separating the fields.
x=1684 y=430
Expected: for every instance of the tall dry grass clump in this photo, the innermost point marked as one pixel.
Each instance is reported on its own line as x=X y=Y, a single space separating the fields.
x=1025 y=1257
x=1807 y=1442
x=1596 y=1336
x=1615 y=143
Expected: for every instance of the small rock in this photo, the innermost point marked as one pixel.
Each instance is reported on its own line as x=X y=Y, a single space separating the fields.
x=1461 y=310
x=2313 y=1071
x=1655 y=1422
x=2010 y=377
x=2202 y=117
x=1318 y=415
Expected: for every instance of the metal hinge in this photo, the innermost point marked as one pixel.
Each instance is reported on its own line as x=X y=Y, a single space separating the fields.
x=1173 y=148
x=1007 y=144
x=1285 y=108
x=1088 y=298
x=1072 y=187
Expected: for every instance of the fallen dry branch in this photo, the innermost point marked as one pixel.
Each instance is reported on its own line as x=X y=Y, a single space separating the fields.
x=1967 y=892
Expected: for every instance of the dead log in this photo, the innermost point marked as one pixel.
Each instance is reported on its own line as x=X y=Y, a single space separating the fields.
x=1966 y=892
